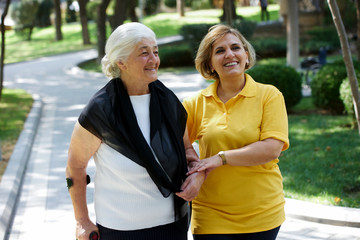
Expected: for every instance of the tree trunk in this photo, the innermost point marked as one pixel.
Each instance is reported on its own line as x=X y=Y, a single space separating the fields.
x=180 y=6
x=347 y=57
x=84 y=22
x=358 y=29
x=101 y=28
x=292 y=30
x=132 y=13
x=119 y=14
x=228 y=11
x=3 y=15
x=58 y=35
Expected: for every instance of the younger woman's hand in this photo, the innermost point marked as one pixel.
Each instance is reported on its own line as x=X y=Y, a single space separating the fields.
x=207 y=165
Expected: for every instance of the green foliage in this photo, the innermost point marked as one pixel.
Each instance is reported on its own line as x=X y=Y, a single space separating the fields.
x=201 y=4
x=318 y=37
x=91 y=9
x=269 y=47
x=70 y=12
x=151 y=6
x=194 y=33
x=326 y=84
x=43 y=13
x=347 y=99
x=285 y=78
x=24 y=14
x=170 y=3
x=175 y=56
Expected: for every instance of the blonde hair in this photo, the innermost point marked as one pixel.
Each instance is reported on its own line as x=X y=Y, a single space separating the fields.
x=121 y=44
x=203 y=56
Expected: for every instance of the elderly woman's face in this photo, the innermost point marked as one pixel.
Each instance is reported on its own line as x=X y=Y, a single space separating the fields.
x=228 y=56
x=143 y=62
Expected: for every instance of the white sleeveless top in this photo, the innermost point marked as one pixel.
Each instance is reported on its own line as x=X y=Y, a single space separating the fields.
x=125 y=196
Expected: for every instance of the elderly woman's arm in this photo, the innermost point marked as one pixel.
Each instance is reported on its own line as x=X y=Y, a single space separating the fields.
x=191 y=186
x=83 y=145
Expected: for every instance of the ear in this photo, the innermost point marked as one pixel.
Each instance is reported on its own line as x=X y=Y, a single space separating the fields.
x=247 y=58
x=121 y=65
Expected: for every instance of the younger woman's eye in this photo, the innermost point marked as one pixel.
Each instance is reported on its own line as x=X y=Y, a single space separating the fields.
x=219 y=51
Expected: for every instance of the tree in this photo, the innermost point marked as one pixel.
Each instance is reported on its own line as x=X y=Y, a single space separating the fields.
x=358 y=28
x=101 y=28
x=58 y=35
x=84 y=22
x=229 y=12
x=120 y=14
x=347 y=57
x=180 y=6
x=3 y=15
x=24 y=15
x=292 y=30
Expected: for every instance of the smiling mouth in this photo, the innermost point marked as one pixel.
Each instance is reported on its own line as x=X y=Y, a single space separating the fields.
x=230 y=64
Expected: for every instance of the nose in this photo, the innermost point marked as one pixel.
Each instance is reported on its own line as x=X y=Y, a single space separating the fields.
x=229 y=53
x=153 y=57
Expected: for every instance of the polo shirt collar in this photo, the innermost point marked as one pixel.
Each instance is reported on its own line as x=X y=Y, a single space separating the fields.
x=249 y=89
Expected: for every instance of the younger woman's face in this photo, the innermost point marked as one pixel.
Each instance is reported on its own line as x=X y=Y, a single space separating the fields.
x=228 y=56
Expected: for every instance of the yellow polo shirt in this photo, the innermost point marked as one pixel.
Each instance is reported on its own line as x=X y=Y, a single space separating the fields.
x=236 y=199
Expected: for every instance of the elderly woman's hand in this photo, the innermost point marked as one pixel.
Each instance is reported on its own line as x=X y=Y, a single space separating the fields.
x=191 y=186
x=84 y=229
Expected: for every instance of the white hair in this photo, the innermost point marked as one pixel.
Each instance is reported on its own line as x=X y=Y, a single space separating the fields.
x=121 y=44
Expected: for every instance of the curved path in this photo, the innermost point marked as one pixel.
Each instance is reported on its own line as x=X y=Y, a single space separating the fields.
x=44 y=209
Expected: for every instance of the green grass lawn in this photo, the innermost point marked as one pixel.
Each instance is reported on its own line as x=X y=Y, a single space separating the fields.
x=15 y=105
x=321 y=165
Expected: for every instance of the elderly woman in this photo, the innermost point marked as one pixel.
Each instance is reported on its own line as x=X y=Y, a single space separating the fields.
x=134 y=128
x=241 y=126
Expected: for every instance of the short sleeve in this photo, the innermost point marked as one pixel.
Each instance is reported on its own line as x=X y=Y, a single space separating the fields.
x=275 y=121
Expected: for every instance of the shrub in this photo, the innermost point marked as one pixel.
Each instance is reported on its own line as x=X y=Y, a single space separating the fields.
x=194 y=33
x=91 y=9
x=346 y=97
x=24 y=15
x=285 y=78
x=176 y=56
x=170 y=3
x=269 y=47
x=320 y=37
x=151 y=6
x=43 y=13
x=326 y=84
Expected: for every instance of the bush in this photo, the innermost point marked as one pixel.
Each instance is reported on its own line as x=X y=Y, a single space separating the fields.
x=24 y=14
x=170 y=3
x=269 y=47
x=176 y=56
x=151 y=6
x=285 y=78
x=201 y=4
x=326 y=84
x=194 y=33
x=43 y=13
x=91 y=9
x=346 y=95
x=318 y=37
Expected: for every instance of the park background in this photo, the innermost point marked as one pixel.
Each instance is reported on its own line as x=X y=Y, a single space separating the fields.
x=323 y=162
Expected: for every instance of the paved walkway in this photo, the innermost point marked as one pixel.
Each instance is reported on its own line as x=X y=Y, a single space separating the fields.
x=33 y=191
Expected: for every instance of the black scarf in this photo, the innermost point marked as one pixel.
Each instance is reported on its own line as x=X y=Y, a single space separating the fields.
x=110 y=116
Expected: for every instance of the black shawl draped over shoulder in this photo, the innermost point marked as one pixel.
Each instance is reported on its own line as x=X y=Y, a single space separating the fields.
x=109 y=115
